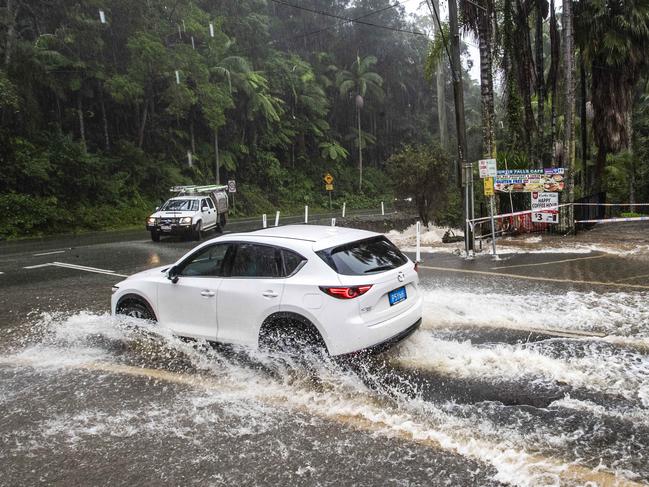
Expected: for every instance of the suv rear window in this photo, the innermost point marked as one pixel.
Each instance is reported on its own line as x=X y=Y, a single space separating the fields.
x=376 y=254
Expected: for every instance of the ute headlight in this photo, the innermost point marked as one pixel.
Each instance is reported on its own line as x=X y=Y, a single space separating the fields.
x=150 y=220
x=114 y=289
x=187 y=220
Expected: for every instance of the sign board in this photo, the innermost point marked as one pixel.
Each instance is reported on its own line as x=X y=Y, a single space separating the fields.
x=488 y=186
x=232 y=186
x=328 y=179
x=540 y=203
x=548 y=180
x=329 y=187
x=487 y=168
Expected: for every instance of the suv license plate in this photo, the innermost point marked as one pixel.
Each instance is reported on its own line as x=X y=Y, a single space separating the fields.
x=397 y=296
x=165 y=228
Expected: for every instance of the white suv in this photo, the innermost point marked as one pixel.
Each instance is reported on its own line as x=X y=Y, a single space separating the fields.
x=349 y=289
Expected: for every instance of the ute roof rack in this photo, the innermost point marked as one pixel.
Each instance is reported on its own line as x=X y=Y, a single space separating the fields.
x=193 y=189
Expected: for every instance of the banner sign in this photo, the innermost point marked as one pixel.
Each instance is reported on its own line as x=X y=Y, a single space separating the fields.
x=530 y=180
x=540 y=203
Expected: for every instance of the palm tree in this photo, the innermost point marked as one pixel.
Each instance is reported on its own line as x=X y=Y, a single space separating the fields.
x=614 y=39
x=359 y=80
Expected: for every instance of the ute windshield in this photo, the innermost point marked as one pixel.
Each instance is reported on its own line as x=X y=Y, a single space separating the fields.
x=363 y=257
x=180 y=205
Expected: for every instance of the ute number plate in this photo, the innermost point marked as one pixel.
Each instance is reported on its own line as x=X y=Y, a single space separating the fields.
x=397 y=296
x=165 y=228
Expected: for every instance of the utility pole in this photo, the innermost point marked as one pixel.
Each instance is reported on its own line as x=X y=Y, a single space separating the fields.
x=466 y=172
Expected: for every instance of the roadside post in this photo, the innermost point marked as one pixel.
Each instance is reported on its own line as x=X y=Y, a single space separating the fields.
x=333 y=222
x=277 y=218
x=382 y=209
x=468 y=211
x=488 y=171
x=329 y=186
x=306 y=213
x=344 y=207
x=232 y=189
x=264 y=221
x=418 y=255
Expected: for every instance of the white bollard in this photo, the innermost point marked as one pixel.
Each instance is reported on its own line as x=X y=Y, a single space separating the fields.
x=277 y=218
x=333 y=222
x=418 y=257
x=382 y=209
x=344 y=207
x=264 y=222
x=306 y=213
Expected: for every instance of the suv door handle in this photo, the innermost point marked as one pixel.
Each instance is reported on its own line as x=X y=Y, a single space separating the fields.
x=269 y=294
x=207 y=293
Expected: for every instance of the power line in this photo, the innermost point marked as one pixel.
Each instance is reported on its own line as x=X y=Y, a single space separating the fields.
x=337 y=24
x=347 y=19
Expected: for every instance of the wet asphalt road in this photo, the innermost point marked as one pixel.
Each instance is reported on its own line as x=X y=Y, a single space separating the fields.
x=532 y=370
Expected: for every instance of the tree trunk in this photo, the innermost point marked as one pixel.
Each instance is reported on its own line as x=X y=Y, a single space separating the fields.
x=192 y=139
x=540 y=87
x=82 y=126
x=11 y=15
x=569 y=110
x=440 y=83
x=143 y=125
x=104 y=119
x=360 y=152
x=555 y=54
x=486 y=86
x=217 y=171
x=584 y=126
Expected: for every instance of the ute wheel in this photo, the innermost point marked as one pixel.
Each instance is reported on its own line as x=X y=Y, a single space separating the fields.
x=198 y=231
x=135 y=309
x=155 y=236
x=222 y=220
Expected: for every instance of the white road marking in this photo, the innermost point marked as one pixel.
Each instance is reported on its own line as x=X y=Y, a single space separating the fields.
x=77 y=267
x=50 y=253
x=550 y=262
x=532 y=278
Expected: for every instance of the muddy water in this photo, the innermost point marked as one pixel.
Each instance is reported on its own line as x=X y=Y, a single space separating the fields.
x=478 y=382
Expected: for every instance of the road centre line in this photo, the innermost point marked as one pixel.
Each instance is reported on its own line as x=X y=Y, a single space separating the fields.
x=50 y=253
x=537 y=278
x=551 y=262
x=632 y=278
x=466 y=447
x=76 y=267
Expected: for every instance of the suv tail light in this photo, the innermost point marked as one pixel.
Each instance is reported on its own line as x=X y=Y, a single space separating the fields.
x=345 y=292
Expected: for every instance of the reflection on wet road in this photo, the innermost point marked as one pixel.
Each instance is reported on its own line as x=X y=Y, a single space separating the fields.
x=516 y=382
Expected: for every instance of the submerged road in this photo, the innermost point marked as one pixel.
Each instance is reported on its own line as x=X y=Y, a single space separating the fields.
x=531 y=370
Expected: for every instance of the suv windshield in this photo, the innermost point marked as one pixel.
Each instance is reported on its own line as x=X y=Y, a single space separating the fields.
x=180 y=205
x=376 y=254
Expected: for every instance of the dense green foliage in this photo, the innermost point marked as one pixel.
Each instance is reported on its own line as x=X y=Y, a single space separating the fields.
x=97 y=119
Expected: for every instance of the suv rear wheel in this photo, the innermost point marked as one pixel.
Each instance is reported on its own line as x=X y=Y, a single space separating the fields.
x=291 y=335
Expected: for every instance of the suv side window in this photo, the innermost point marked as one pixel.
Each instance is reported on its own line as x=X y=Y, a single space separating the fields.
x=209 y=203
x=208 y=262
x=292 y=262
x=204 y=204
x=252 y=260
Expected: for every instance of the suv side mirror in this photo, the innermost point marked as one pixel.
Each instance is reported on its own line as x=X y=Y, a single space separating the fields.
x=204 y=209
x=157 y=208
x=172 y=274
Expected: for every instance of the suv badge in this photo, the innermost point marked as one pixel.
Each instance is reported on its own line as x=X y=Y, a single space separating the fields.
x=401 y=277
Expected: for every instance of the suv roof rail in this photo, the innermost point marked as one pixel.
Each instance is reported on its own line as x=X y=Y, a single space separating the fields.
x=193 y=189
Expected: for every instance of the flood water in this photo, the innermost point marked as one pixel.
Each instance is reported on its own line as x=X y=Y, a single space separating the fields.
x=481 y=382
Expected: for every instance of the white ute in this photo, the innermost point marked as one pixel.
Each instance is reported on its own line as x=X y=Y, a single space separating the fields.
x=194 y=210
x=346 y=289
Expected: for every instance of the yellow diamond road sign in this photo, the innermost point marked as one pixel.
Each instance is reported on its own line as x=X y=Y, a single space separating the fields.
x=328 y=178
